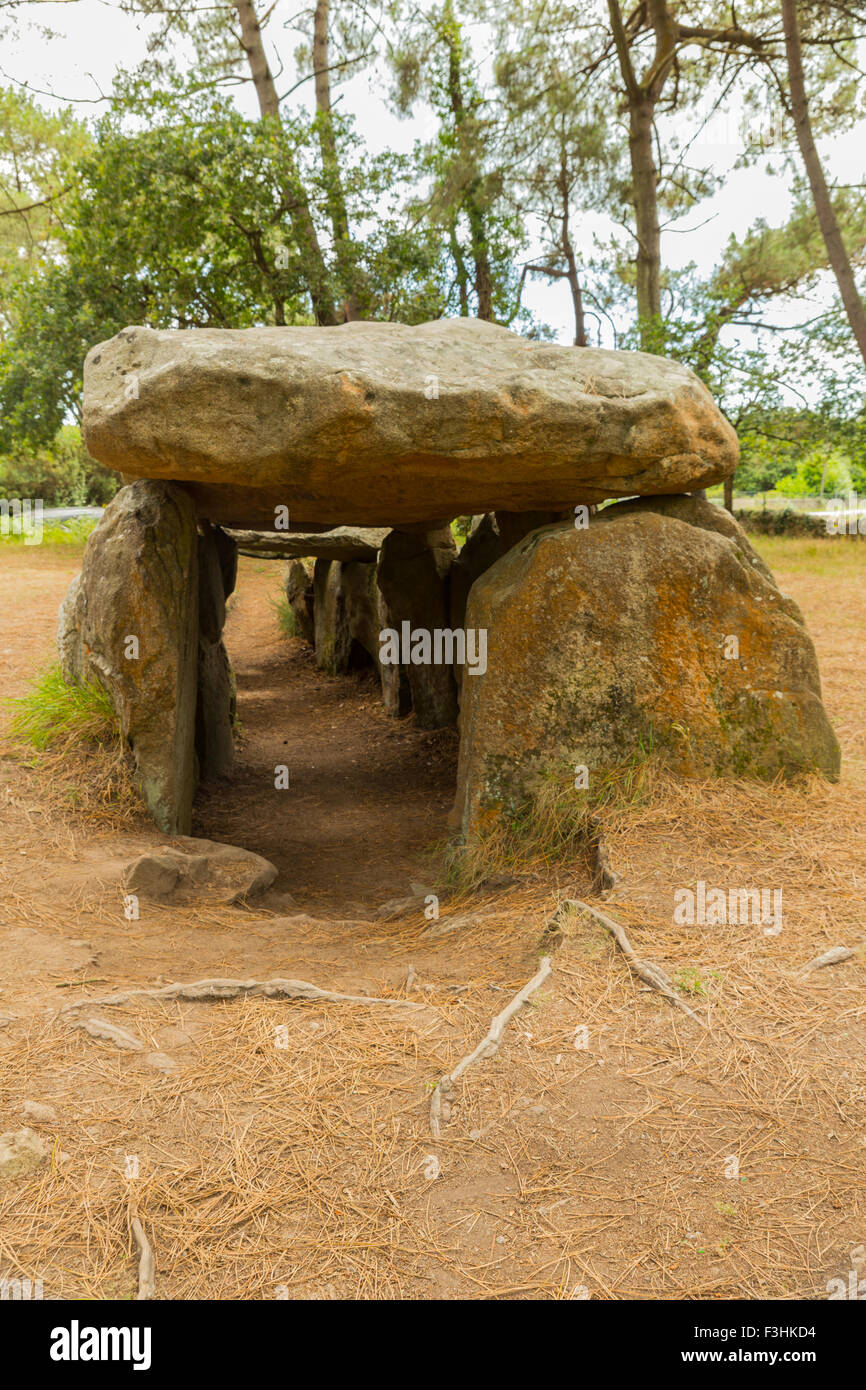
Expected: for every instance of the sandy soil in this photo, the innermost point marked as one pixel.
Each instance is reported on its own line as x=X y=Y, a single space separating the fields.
x=284 y=1149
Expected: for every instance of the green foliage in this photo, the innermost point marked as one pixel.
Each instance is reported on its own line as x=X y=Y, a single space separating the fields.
x=52 y=712
x=787 y=450
x=285 y=616
x=183 y=224
x=176 y=210
x=823 y=472
x=61 y=473
x=38 y=154
x=466 y=203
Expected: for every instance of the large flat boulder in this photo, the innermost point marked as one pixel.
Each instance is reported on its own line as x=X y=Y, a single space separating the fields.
x=644 y=630
x=130 y=621
x=379 y=424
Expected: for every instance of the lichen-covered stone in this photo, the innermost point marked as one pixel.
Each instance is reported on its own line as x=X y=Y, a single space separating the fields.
x=617 y=638
x=131 y=623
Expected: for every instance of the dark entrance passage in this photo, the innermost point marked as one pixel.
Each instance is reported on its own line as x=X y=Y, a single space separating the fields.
x=367 y=794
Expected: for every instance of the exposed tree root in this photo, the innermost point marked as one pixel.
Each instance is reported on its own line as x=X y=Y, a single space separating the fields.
x=440 y=1101
x=98 y=1028
x=146 y=1262
x=645 y=970
x=834 y=956
x=233 y=989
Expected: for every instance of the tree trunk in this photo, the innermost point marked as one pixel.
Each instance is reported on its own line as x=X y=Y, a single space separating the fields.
x=573 y=274
x=641 y=97
x=297 y=206
x=729 y=494
x=645 y=195
x=576 y=299
x=462 y=273
x=480 y=256
x=251 y=39
x=328 y=146
x=471 y=202
x=836 y=252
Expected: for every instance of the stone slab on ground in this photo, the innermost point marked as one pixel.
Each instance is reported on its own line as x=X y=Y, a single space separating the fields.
x=190 y=869
x=21 y=1153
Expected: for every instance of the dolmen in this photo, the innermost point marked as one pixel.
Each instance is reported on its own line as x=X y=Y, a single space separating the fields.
x=561 y=634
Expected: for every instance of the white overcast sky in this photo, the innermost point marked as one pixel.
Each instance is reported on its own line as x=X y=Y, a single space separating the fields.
x=93 y=38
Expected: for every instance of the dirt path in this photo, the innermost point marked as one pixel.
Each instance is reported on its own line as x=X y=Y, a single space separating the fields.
x=367 y=795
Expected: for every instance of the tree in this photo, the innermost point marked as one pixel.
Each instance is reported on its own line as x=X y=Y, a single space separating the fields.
x=465 y=201
x=558 y=156
x=38 y=152
x=186 y=222
x=837 y=255
x=643 y=89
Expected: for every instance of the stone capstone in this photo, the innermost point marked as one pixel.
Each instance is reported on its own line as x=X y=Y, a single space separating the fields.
x=381 y=424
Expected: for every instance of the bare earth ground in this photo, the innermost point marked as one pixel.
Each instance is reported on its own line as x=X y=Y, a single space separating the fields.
x=283 y=1149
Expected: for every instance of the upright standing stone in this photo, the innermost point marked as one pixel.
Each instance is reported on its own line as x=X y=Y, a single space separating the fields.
x=132 y=624
x=413 y=576
x=301 y=598
x=367 y=616
x=513 y=526
x=482 y=548
x=215 y=700
x=332 y=638
x=645 y=630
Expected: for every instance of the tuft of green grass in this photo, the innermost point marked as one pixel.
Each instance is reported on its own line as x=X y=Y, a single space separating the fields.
x=688 y=981
x=53 y=712
x=285 y=616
